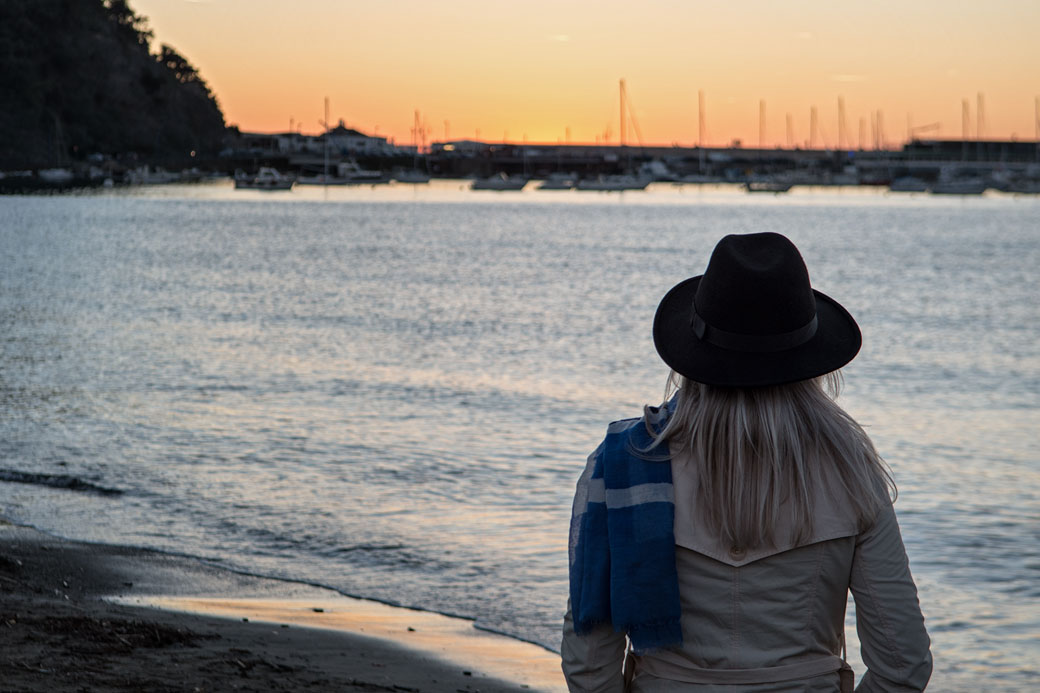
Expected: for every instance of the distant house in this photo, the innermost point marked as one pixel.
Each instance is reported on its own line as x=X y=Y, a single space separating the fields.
x=349 y=142
x=273 y=143
x=343 y=142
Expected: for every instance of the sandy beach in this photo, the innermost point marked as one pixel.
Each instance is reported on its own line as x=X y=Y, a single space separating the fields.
x=60 y=630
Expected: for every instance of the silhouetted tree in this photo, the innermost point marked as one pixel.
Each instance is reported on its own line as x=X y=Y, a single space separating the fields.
x=132 y=25
x=77 y=76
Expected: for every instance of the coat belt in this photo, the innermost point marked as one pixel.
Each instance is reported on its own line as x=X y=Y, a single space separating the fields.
x=672 y=671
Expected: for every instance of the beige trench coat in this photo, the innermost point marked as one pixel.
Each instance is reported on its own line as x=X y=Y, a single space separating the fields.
x=780 y=610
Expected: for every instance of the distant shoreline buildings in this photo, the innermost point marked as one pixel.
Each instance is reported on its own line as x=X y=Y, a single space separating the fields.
x=960 y=166
x=926 y=159
x=342 y=141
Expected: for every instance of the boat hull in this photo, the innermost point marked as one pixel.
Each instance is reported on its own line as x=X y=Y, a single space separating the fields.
x=613 y=184
x=250 y=185
x=499 y=184
x=767 y=187
x=908 y=184
x=959 y=188
x=265 y=179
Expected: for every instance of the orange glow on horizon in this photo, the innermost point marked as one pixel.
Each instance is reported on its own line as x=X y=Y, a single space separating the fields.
x=539 y=71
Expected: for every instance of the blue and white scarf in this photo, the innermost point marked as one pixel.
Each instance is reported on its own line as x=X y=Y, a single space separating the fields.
x=622 y=543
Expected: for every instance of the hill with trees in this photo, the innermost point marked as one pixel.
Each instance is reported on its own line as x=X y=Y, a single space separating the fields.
x=78 y=78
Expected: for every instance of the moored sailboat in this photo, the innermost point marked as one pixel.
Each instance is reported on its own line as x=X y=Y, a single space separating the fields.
x=266 y=178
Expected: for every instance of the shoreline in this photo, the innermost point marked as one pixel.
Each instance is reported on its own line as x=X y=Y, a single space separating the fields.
x=114 y=618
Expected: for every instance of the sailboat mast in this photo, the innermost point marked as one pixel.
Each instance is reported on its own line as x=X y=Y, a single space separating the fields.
x=761 y=124
x=980 y=125
x=843 y=135
x=325 y=176
x=965 y=127
x=622 y=98
x=700 y=127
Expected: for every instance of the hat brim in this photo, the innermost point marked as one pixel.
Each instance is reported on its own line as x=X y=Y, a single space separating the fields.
x=836 y=342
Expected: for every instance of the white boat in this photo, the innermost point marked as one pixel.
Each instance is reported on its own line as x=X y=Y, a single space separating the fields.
x=614 y=183
x=55 y=175
x=146 y=175
x=775 y=186
x=321 y=179
x=191 y=175
x=559 y=181
x=266 y=178
x=500 y=182
x=968 y=186
x=953 y=181
x=410 y=175
x=353 y=174
x=910 y=184
x=658 y=171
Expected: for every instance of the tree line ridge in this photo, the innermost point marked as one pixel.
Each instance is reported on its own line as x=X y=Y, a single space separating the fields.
x=79 y=78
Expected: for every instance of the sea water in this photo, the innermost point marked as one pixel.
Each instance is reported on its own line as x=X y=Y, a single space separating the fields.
x=391 y=391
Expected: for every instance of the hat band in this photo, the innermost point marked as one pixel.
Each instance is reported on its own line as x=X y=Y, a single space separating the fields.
x=759 y=343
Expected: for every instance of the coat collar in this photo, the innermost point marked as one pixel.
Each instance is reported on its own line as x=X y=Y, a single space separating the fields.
x=830 y=520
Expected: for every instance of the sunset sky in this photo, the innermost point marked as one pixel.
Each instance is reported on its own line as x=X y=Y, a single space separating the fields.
x=536 y=69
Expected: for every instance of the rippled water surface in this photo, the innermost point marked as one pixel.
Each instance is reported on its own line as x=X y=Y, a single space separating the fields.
x=392 y=392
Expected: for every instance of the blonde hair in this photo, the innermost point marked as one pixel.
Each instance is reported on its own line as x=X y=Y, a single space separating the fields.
x=760 y=450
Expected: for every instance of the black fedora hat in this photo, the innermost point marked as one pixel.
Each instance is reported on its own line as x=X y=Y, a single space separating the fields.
x=752 y=319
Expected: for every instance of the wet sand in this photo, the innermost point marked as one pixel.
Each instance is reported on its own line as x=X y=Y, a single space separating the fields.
x=83 y=617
